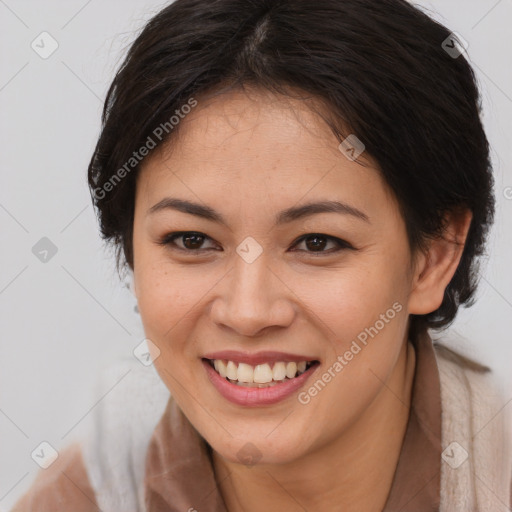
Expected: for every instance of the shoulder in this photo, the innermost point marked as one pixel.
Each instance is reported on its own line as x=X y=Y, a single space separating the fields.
x=461 y=375
x=446 y=353
x=476 y=427
x=133 y=399
x=104 y=470
x=63 y=486
x=470 y=386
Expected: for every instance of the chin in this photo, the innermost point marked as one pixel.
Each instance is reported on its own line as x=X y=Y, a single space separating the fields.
x=255 y=451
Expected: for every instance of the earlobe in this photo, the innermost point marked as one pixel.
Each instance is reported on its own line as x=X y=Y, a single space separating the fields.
x=435 y=267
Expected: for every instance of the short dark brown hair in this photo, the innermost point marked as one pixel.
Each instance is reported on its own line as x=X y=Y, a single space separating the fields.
x=382 y=68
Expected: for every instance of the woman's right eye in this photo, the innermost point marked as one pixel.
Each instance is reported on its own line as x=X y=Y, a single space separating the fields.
x=188 y=241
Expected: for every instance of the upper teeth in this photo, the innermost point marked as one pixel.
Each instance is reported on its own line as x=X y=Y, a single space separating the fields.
x=261 y=373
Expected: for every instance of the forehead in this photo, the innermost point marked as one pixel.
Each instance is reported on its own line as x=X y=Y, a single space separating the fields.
x=259 y=144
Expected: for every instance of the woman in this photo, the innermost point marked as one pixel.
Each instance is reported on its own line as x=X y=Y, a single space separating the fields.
x=289 y=184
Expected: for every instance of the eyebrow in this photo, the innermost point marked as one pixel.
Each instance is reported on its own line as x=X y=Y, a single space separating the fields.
x=285 y=216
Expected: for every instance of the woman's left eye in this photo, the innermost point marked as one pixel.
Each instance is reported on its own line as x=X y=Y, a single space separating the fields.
x=317 y=242
x=193 y=241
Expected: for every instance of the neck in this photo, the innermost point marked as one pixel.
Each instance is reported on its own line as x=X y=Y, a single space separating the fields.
x=355 y=469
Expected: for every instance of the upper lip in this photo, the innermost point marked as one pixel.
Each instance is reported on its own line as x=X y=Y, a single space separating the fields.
x=257 y=357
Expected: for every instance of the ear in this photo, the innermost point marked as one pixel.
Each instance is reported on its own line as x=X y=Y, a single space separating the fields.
x=435 y=266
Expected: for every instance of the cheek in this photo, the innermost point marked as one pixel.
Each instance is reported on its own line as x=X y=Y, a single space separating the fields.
x=171 y=304
x=166 y=309
x=353 y=299
x=163 y=301
x=367 y=321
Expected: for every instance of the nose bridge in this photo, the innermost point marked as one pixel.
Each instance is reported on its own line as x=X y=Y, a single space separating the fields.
x=251 y=287
x=252 y=300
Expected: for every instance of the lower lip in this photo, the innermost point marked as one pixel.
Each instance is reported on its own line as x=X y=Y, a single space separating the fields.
x=254 y=397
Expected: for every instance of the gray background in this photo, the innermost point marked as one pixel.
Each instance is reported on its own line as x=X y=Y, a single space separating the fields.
x=65 y=319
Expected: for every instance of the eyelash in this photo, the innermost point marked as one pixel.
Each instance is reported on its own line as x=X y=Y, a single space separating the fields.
x=169 y=240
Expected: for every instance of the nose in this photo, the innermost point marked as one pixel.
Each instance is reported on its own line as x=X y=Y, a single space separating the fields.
x=253 y=298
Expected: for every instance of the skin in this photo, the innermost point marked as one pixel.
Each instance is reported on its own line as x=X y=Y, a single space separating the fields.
x=249 y=155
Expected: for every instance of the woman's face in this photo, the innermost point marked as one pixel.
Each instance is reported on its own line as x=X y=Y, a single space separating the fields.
x=264 y=282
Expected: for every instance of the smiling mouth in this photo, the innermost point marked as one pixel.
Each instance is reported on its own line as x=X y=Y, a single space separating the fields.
x=260 y=375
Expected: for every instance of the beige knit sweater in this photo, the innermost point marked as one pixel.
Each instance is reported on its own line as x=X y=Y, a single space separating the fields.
x=477 y=416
